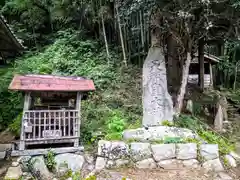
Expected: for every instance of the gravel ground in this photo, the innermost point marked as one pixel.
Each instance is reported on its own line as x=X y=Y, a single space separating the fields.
x=180 y=174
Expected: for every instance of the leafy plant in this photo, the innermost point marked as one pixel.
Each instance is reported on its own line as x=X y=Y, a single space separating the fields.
x=50 y=160
x=167 y=123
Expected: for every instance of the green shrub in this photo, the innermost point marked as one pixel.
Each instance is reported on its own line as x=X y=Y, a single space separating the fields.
x=50 y=161
x=15 y=127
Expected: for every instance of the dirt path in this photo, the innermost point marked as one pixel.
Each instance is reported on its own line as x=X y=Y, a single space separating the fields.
x=180 y=174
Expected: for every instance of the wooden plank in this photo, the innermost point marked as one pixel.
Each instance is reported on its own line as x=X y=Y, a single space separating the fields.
x=64 y=123
x=34 y=152
x=27 y=100
x=34 y=125
x=69 y=124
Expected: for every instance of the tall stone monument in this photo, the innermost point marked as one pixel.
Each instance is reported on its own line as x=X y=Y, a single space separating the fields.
x=157 y=103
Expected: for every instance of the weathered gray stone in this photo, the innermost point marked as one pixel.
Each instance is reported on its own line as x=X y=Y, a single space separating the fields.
x=191 y=163
x=146 y=164
x=158 y=133
x=186 y=151
x=2 y=154
x=27 y=176
x=170 y=164
x=122 y=162
x=140 y=151
x=110 y=164
x=218 y=121
x=235 y=156
x=119 y=149
x=104 y=148
x=209 y=151
x=24 y=162
x=100 y=163
x=157 y=102
x=113 y=150
x=224 y=176
x=62 y=169
x=163 y=151
x=230 y=160
x=15 y=163
x=40 y=168
x=213 y=165
x=89 y=158
x=74 y=162
x=189 y=106
x=13 y=173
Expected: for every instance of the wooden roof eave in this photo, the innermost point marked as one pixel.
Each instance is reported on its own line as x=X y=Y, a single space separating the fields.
x=17 y=42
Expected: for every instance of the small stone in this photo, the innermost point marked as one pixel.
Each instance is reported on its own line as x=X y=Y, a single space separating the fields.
x=213 y=165
x=122 y=162
x=191 y=163
x=15 y=164
x=231 y=161
x=14 y=173
x=24 y=162
x=110 y=164
x=189 y=106
x=224 y=176
x=27 y=176
x=146 y=164
x=170 y=164
x=209 y=151
x=140 y=151
x=100 y=163
x=39 y=167
x=186 y=151
x=104 y=148
x=89 y=158
x=235 y=156
x=163 y=151
x=72 y=161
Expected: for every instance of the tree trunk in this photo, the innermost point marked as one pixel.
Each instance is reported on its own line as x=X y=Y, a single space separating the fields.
x=121 y=37
x=157 y=103
x=182 y=91
x=105 y=38
x=201 y=64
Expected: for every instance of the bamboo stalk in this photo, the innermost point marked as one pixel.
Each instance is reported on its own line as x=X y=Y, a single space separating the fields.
x=121 y=36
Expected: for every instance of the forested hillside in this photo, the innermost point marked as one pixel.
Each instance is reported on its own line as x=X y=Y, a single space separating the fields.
x=108 y=41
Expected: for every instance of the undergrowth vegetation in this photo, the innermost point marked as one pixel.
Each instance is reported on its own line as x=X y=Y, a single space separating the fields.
x=205 y=133
x=112 y=107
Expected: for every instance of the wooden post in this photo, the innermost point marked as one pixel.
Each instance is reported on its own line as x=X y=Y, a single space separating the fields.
x=211 y=75
x=78 y=119
x=27 y=101
x=201 y=64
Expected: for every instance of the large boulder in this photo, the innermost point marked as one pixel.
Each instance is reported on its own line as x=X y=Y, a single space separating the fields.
x=13 y=173
x=213 y=165
x=113 y=150
x=39 y=168
x=186 y=151
x=157 y=103
x=140 y=151
x=100 y=163
x=158 y=133
x=170 y=164
x=163 y=151
x=72 y=161
x=209 y=151
x=146 y=164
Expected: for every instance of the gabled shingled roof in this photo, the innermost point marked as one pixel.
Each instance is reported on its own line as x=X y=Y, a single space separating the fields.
x=51 y=83
x=9 y=43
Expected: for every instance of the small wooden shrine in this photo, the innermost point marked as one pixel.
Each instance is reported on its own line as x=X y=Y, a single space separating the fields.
x=52 y=108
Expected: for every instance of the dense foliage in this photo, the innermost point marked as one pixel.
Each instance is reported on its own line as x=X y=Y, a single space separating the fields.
x=116 y=101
